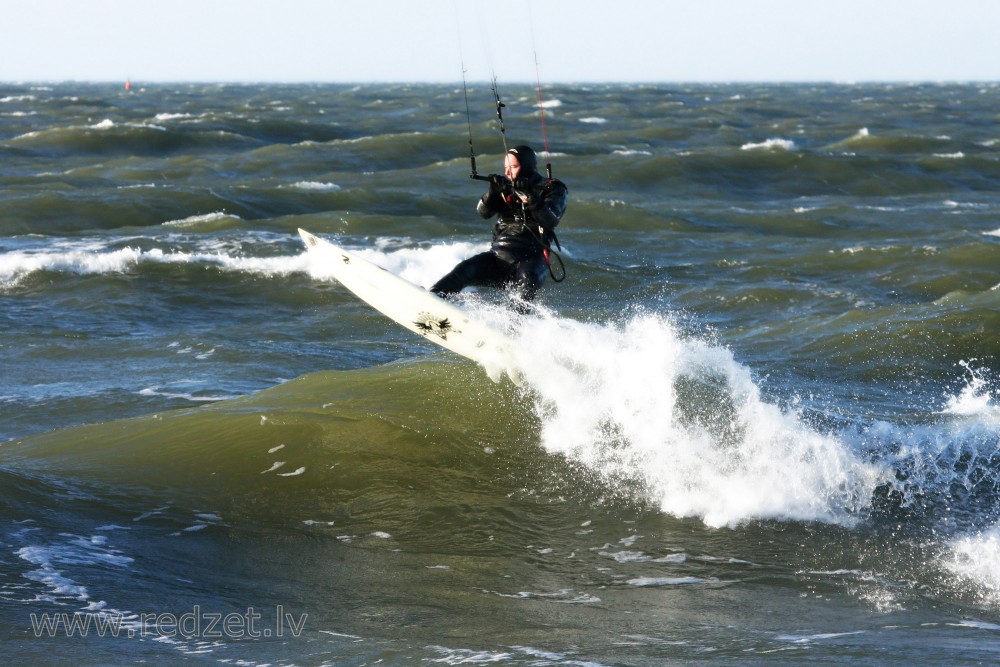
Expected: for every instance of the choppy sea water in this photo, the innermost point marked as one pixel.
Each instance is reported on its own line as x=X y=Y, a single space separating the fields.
x=759 y=421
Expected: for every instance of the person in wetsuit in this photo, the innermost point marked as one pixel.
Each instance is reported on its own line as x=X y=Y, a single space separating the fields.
x=528 y=207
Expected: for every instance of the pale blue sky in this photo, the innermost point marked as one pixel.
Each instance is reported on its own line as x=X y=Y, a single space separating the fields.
x=574 y=40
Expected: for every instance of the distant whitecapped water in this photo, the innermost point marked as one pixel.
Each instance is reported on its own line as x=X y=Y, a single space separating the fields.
x=760 y=419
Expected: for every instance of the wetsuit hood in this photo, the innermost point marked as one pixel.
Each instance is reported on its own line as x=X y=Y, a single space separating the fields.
x=526 y=158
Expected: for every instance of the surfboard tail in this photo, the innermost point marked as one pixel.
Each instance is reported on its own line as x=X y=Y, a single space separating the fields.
x=422 y=312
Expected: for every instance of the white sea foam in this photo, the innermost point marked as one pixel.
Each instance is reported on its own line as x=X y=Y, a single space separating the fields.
x=186 y=397
x=199 y=219
x=313 y=185
x=630 y=151
x=626 y=556
x=171 y=116
x=594 y=120
x=859 y=137
x=808 y=639
x=957 y=204
x=974 y=561
x=770 y=145
x=59 y=585
x=76 y=551
x=15 y=265
x=670 y=581
x=84 y=259
x=978 y=625
x=682 y=419
x=975 y=399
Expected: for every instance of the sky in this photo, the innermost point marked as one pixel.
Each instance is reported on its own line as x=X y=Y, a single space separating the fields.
x=554 y=41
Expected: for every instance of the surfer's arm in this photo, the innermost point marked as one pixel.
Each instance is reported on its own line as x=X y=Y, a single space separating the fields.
x=548 y=203
x=489 y=203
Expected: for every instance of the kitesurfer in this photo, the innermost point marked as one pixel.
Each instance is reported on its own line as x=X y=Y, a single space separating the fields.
x=528 y=207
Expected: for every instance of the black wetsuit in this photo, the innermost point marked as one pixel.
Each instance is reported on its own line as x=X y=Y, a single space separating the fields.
x=522 y=231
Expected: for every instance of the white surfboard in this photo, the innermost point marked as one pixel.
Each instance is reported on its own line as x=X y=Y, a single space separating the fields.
x=418 y=310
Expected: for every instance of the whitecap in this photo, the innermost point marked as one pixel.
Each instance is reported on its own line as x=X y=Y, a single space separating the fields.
x=171 y=116
x=313 y=185
x=201 y=218
x=626 y=556
x=644 y=582
x=770 y=144
x=672 y=558
x=805 y=639
x=17 y=264
x=978 y=625
x=186 y=396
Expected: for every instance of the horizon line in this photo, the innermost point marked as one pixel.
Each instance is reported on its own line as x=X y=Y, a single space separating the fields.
x=526 y=82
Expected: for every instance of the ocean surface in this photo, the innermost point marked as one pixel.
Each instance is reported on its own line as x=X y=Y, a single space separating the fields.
x=760 y=421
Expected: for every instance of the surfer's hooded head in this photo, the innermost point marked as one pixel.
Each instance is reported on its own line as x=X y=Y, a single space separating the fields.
x=526 y=158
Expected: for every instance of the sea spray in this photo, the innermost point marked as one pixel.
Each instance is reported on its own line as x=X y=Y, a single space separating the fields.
x=636 y=400
x=973 y=560
x=976 y=398
x=947 y=464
